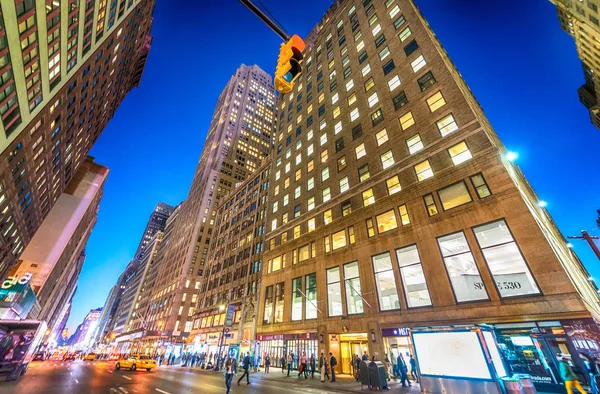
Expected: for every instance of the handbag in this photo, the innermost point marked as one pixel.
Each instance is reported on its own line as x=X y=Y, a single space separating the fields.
x=300 y=368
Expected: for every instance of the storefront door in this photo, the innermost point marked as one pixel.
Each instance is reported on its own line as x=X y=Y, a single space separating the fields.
x=350 y=346
x=559 y=346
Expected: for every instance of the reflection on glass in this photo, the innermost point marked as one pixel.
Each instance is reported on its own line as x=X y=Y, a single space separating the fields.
x=353 y=298
x=311 y=296
x=334 y=292
x=386 y=283
x=296 y=299
x=413 y=278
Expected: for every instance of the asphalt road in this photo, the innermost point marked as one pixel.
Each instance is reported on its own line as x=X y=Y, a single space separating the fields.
x=97 y=377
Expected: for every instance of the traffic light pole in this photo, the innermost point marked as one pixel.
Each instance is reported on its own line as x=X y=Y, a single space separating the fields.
x=590 y=240
x=261 y=15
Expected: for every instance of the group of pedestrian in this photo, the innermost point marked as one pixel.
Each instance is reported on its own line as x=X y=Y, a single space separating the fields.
x=326 y=365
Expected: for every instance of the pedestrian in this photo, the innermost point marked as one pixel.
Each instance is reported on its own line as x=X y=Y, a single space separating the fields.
x=365 y=357
x=413 y=368
x=257 y=363
x=302 y=363
x=332 y=364
x=282 y=361
x=290 y=359
x=230 y=370
x=403 y=371
x=323 y=367
x=388 y=367
x=592 y=369
x=357 y=362
x=246 y=367
x=267 y=363
x=569 y=377
x=312 y=365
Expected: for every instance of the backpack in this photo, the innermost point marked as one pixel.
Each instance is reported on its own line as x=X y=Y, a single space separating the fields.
x=333 y=361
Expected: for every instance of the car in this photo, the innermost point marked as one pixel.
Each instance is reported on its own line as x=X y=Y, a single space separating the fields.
x=90 y=357
x=69 y=356
x=39 y=356
x=136 y=361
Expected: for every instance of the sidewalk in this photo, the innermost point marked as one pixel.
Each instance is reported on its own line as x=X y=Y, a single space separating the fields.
x=343 y=382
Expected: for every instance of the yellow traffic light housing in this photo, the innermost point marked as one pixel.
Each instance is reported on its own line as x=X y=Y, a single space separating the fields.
x=288 y=64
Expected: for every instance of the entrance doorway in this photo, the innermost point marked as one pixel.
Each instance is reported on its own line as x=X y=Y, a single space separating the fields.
x=351 y=345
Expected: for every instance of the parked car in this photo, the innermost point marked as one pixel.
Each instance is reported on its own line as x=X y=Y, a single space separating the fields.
x=136 y=361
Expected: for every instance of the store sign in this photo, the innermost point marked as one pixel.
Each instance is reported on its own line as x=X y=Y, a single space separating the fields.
x=129 y=337
x=541 y=379
x=212 y=339
x=395 y=332
x=229 y=316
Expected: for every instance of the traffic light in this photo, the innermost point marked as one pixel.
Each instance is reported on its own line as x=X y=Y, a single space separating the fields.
x=288 y=64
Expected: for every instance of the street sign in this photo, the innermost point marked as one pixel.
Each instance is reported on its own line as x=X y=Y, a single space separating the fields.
x=228 y=335
x=229 y=316
x=227 y=329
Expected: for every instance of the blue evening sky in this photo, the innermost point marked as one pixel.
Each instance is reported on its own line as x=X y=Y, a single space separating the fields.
x=520 y=65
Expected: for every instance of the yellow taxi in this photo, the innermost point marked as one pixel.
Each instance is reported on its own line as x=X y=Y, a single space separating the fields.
x=136 y=361
x=90 y=357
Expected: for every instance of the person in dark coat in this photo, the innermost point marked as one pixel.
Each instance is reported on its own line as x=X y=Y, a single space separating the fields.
x=413 y=368
x=332 y=363
x=267 y=363
x=246 y=367
x=357 y=362
x=230 y=368
x=313 y=365
x=403 y=370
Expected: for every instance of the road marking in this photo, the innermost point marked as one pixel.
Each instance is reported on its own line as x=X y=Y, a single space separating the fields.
x=109 y=371
x=123 y=390
x=162 y=391
x=126 y=377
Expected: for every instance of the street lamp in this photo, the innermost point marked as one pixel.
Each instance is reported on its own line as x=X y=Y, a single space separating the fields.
x=512 y=156
x=221 y=340
x=542 y=204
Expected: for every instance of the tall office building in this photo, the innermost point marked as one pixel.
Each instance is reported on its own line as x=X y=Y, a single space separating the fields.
x=239 y=137
x=66 y=67
x=392 y=209
x=156 y=222
x=82 y=338
x=52 y=261
x=582 y=22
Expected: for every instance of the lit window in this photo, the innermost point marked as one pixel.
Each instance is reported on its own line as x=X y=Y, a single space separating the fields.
x=393 y=184
x=413 y=277
x=310 y=184
x=288 y=167
x=339 y=240
x=385 y=52
x=436 y=101
x=309 y=135
x=324 y=174
x=394 y=11
x=381 y=137
x=311 y=224
x=338 y=127
x=386 y=221
x=418 y=63
x=278 y=175
x=407 y=120
x=323 y=139
x=297 y=192
x=341 y=163
x=373 y=99
x=322 y=124
x=414 y=144
x=454 y=195
x=385 y=282
x=335 y=98
x=376 y=30
x=310 y=165
x=336 y=112
x=298 y=174
x=327 y=217
x=394 y=83
x=387 y=159
x=368 y=197
x=286 y=183
x=286 y=200
x=326 y=194
x=363 y=173
x=369 y=84
x=351 y=99
x=423 y=170
x=360 y=46
x=365 y=70
x=275 y=206
x=404 y=34
x=404 y=215
x=321 y=97
x=334 y=292
x=354 y=115
x=430 y=204
x=360 y=151
x=273 y=224
x=459 y=153
x=310 y=203
x=344 y=184
x=324 y=156
x=480 y=186
x=276 y=263
x=298 y=158
x=370 y=228
x=447 y=125
x=327 y=242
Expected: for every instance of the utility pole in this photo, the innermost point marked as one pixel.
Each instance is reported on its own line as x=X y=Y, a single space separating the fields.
x=590 y=240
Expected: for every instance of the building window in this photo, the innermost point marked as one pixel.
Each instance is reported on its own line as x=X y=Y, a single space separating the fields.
x=310 y=290
x=310 y=203
x=351 y=237
x=276 y=264
x=404 y=34
x=311 y=224
x=394 y=83
x=377 y=117
x=297 y=299
x=418 y=63
x=327 y=244
x=373 y=100
x=339 y=144
x=454 y=195
x=344 y=184
x=368 y=197
x=370 y=228
x=404 y=218
x=426 y=81
x=447 y=125
x=398 y=23
x=363 y=173
x=360 y=151
x=436 y=101
x=400 y=100
x=386 y=221
x=353 y=292
x=406 y=120
x=393 y=185
x=386 y=283
x=423 y=170
x=268 y=311
x=356 y=131
x=480 y=186
x=326 y=194
x=462 y=269
x=413 y=277
x=346 y=208
x=505 y=261
x=297 y=232
x=459 y=153
x=411 y=47
x=387 y=159
x=388 y=67
x=324 y=173
x=430 y=204
x=369 y=85
x=341 y=163
x=327 y=217
x=354 y=114
x=338 y=240
x=279 y=302
x=414 y=144
x=334 y=292
x=304 y=253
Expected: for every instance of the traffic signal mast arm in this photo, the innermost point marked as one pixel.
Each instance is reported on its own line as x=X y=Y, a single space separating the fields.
x=261 y=15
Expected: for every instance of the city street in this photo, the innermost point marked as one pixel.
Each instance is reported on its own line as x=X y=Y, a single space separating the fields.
x=56 y=377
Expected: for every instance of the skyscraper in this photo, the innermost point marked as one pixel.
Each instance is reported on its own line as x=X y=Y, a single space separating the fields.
x=156 y=222
x=66 y=68
x=238 y=139
x=396 y=223
x=82 y=338
x=582 y=22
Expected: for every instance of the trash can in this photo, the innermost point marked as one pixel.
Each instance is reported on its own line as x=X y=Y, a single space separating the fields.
x=513 y=386
x=527 y=383
x=364 y=375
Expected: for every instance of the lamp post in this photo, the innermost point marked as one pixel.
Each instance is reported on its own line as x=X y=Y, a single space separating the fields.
x=221 y=340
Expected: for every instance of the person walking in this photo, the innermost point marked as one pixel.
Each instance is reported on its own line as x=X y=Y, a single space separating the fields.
x=569 y=377
x=267 y=363
x=282 y=361
x=413 y=368
x=302 y=361
x=323 y=367
x=246 y=365
x=357 y=362
x=403 y=371
x=230 y=370
x=388 y=367
x=312 y=365
x=290 y=360
x=332 y=364
x=365 y=357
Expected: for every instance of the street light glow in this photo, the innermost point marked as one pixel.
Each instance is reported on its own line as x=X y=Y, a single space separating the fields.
x=512 y=156
x=221 y=307
x=569 y=245
x=542 y=204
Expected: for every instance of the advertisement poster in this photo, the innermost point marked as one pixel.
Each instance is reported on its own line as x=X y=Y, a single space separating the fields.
x=584 y=334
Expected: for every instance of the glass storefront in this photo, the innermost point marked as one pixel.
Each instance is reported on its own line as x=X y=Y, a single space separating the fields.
x=276 y=346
